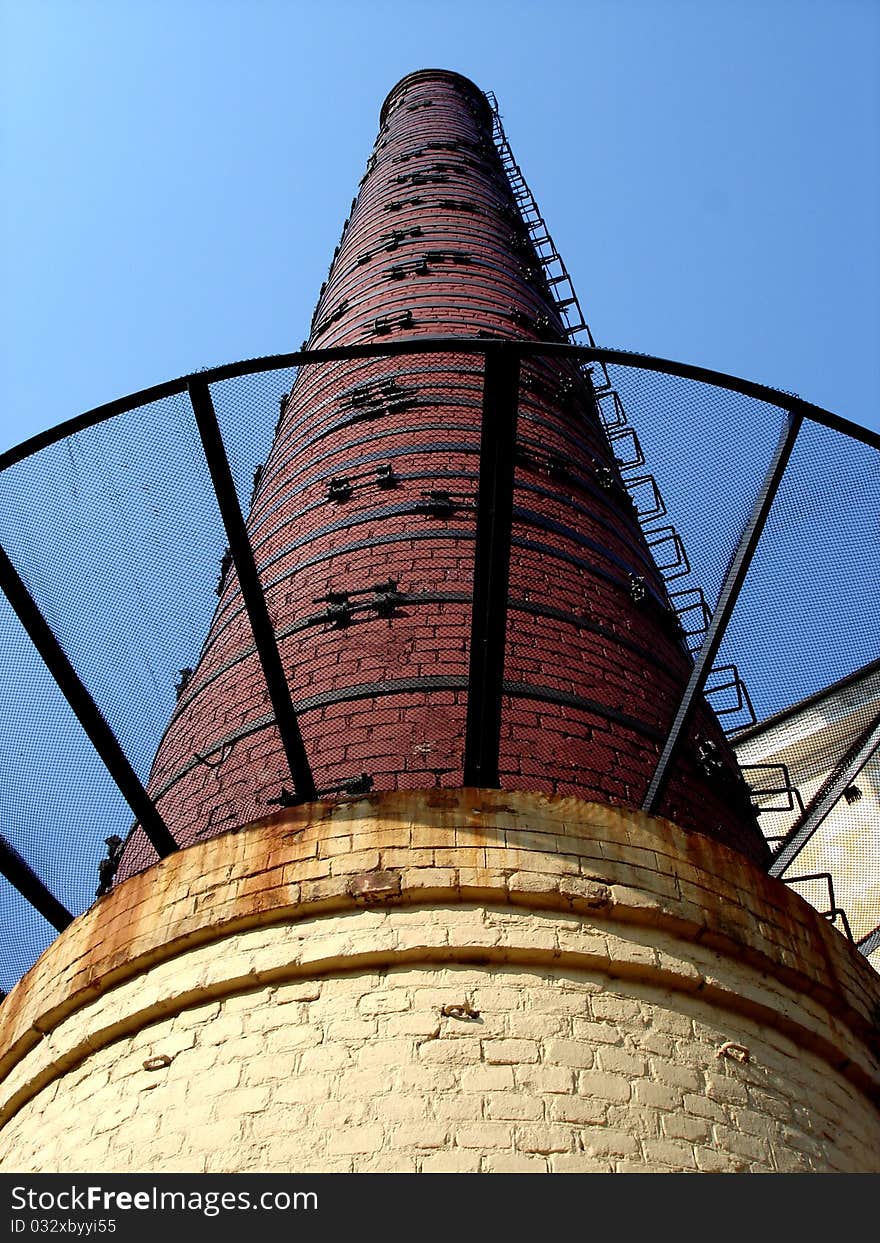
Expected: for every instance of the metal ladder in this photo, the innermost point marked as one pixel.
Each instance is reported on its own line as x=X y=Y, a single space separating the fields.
x=725 y=685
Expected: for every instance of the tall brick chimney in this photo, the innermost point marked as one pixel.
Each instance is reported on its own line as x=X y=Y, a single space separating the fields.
x=372 y=479
x=432 y=966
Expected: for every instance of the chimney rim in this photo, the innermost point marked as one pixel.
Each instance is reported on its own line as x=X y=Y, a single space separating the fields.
x=447 y=75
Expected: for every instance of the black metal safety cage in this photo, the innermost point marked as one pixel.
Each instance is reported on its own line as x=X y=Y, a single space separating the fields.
x=503 y=362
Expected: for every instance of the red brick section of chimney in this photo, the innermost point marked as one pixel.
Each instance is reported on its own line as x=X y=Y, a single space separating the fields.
x=372 y=481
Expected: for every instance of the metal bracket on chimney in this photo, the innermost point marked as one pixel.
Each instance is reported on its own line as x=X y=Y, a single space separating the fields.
x=553 y=463
x=341 y=488
x=225 y=567
x=332 y=318
x=420 y=179
x=378 y=397
x=439 y=503
x=708 y=758
x=109 y=866
x=458 y=205
x=606 y=477
x=637 y=589
x=391 y=241
x=258 y=476
x=385 y=323
x=387 y=599
x=453 y=256
x=183 y=680
x=399 y=204
x=415 y=267
x=338 y=612
x=349 y=789
x=340 y=608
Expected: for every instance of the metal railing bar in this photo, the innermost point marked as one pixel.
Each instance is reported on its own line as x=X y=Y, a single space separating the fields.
x=84 y=708
x=868 y=943
x=816 y=697
x=837 y=423
x=727 y=599
x=721 y=379
x=491 y=569
x=22 y=877
x=89 y=418
x=428 y=345
x=827 y=797
x=251 y=589
x=232 y=371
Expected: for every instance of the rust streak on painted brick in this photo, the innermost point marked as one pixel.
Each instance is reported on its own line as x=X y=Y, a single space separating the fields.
x=232 y=882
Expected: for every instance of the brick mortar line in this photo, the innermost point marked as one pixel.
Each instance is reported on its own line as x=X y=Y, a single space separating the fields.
x=521 y=485
x=416 y=685
x=363 y=517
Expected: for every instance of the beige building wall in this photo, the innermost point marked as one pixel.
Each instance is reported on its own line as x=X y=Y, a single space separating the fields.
x=466 y=980
x=810 y=741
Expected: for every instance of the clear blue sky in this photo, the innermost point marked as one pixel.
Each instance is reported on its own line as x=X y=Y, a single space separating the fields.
x=176 y=174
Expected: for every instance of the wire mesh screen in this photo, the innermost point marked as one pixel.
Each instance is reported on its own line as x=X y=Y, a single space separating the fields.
x=25 y=934
x=57 y=800
x=807 y=616
x=358 y=480
x=111 y=529
x=201 y=774
x=805 y=630
x=108 y=530
x=592 y=721
x=362 y=527
x=693 y=457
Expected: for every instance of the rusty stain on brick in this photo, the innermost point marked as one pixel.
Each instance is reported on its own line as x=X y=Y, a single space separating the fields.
x=371 y=887
x=718 y=900
x=592 y=894
x=159 y=1062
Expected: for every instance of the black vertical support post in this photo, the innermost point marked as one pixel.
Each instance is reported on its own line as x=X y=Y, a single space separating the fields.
x=727 y=598
x=252 y=590
x=85 y=709
x=23 y=878
x=491 y=567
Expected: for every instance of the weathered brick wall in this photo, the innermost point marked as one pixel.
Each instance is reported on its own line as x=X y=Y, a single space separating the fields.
x=595 y=668
x=563 y=1071
x=450 y=981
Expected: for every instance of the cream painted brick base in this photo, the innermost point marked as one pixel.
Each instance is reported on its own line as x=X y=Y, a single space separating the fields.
x=430 y=1033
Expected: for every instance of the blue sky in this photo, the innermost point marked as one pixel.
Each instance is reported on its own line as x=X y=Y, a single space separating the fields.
x=180 y=171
